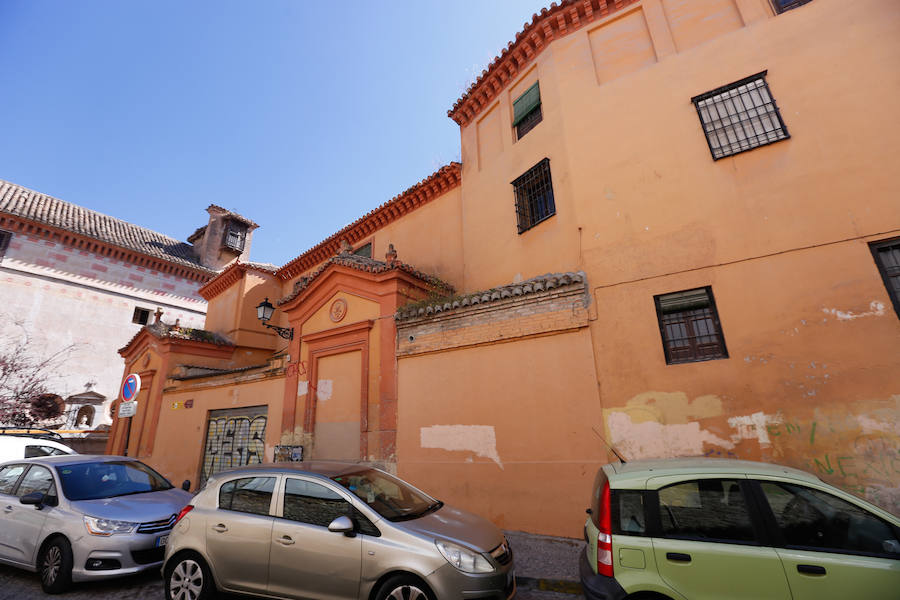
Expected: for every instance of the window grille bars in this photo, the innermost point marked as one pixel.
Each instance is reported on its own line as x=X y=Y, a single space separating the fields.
x=740 y=116
x=529 y=122
x=534 y=196
x=887 y=257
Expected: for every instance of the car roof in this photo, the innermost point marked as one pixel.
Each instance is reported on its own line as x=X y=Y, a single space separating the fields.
x=645 y=469
x=322 y=468
x=71 y=459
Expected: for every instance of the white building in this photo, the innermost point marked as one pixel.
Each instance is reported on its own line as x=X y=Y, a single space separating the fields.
x=73 y=276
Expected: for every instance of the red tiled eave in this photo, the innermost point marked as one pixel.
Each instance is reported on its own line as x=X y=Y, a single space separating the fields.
x=231 y=275
x=557 y=21
x=441 y=181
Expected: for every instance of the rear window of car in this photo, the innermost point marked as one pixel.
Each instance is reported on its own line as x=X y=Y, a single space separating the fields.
x=597 y=491
x=629 y=512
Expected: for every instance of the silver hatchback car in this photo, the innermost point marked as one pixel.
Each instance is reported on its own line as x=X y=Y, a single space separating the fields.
x=79 y=517
x=332 y=531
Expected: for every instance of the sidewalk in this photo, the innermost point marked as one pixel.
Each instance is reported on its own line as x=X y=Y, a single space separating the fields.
x=545 y=562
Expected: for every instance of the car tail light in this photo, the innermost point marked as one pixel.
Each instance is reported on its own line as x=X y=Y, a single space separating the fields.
x=183 y=512
x=604 y=535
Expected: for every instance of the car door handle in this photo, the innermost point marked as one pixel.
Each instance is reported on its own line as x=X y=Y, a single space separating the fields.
x=8 y=509
x=678 y=556
x=285 y=540
x=220 y=528
x=811 y=569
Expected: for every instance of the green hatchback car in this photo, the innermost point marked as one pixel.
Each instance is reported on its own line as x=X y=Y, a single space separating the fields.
x=719 y=529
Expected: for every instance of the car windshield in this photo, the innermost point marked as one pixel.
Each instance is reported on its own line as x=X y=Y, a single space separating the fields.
x=392 y=498
x=109 y=479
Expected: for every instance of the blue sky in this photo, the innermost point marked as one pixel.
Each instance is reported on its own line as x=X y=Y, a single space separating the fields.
x=299 y=115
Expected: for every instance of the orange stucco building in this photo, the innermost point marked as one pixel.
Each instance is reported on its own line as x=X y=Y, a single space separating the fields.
x=675 y=228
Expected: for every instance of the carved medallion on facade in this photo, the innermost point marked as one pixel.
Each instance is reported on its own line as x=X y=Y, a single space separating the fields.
x=338 y=310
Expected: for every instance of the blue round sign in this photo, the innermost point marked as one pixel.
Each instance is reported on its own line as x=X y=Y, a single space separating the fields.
x=131 y=387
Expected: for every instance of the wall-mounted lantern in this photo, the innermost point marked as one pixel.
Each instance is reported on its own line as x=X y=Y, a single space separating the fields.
x=264 y=312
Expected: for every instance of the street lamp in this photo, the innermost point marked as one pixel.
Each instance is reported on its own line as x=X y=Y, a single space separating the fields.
x=264 y=312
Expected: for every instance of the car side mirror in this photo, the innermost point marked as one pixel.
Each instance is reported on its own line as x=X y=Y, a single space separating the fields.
x=36 y=499
x=342 y=525
x=186 y=485
x=891 y=546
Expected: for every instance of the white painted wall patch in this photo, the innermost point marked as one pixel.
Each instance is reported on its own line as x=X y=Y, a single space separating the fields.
x=480 y=439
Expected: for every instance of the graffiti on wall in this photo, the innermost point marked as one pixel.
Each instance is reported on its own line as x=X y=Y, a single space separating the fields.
x=233 y=441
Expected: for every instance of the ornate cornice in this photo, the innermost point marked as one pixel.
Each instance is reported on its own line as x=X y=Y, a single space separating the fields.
x=443 y=180
x=231 y=275
x=24 y=226
x=550 y=24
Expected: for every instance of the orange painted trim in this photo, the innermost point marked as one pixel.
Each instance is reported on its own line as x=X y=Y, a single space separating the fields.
x=552 y=23
x=231 y=275
x=337 y=331
x=438 y=183
x=20 y=225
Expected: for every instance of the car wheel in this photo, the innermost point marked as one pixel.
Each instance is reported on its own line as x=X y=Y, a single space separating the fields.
x=55 y=566
x=404 y=587
x=188 y=578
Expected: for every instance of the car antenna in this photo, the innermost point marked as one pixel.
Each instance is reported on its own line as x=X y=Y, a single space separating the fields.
x=607 y=444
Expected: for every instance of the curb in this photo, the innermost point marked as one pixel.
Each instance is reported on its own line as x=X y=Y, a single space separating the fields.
x=549 y=585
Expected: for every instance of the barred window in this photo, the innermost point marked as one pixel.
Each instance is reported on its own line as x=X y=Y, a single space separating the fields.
x=781 y=6
x=141 y=315
x=534 y=196
x=740 y=116
x=527 y=111
x=690 y=327
x=887 y=257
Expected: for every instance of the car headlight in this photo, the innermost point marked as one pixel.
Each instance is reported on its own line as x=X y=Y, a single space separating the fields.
x=105 y=527
x=467 y=561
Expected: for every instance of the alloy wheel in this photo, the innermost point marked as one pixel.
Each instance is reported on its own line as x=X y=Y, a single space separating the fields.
x=186 y=581
x=51 y=565
x=407 y=592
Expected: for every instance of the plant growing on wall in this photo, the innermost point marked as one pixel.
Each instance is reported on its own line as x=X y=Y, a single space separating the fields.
x=26 y=377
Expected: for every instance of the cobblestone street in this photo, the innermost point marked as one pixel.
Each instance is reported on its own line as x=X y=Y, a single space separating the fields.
x=21 y=585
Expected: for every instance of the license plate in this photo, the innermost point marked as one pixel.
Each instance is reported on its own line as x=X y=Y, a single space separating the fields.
x=162 y=540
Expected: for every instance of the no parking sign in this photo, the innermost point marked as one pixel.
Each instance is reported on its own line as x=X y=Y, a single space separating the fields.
x=130 y=388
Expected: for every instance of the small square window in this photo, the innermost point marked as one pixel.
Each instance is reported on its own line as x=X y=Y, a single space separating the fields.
x=781 y=6
x=740 y=116
x=235 y=235
x=534 y=196
x=141 y=316
x=690 y=327
x=887 y=257
x=527 y=111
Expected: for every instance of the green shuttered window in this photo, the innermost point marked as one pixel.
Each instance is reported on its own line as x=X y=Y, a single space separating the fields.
x=526 y=103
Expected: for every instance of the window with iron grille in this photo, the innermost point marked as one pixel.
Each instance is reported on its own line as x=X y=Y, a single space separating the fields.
x=887 y=257
x=235 y=234
x=740 y=116
x=534 y=196
x=786 y=5
x=690 y=327
x=5 y=236
x=527 y=111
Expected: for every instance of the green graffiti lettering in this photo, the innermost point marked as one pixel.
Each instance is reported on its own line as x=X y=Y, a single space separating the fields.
x=826 y=468
x=812 y=434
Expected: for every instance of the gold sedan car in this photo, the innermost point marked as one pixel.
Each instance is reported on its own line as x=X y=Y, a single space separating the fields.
x=329 y=530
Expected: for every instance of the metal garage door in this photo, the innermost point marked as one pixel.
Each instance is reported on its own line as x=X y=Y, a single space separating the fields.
x=234 y=437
